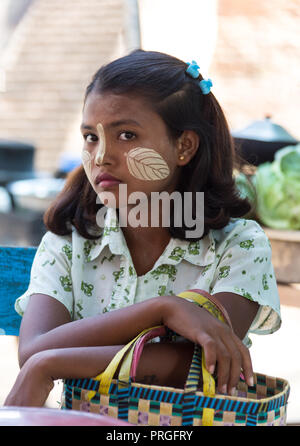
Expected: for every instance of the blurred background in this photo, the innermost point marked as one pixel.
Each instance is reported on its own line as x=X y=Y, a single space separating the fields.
x=49 y=51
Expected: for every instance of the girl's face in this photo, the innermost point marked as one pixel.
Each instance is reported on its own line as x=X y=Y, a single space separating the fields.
x=125 y=138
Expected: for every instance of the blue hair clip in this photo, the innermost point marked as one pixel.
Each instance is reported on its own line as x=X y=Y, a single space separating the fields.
x=192 y=69
x=205 y=85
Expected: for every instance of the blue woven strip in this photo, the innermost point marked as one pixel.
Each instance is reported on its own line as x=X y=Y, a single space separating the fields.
x=249 y=408
x=279 y=402
x=226 y=402
x=68 y=397
x=172 y=397
x=188 y=407
x=166 y=396
x=218 y=404
x=187 y=420
x=242 y=407
x=251 y=420
x=195 y=370
x=156 y=395
x=123 y=394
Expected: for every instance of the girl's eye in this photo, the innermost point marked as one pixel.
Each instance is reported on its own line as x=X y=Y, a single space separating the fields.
x=127 y=136
x=90 y=137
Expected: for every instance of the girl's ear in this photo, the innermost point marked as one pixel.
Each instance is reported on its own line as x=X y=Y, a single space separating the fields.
x=187 y=146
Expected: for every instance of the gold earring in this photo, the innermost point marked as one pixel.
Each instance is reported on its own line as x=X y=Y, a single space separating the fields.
x=181 y=157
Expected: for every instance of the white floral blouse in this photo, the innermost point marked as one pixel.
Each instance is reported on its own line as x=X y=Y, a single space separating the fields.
x=92 y=277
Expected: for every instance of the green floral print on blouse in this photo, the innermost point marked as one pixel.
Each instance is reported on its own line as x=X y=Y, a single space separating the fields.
x=91 y=277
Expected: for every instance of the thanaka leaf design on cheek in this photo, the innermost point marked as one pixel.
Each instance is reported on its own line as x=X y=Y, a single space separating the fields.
x=146 y=164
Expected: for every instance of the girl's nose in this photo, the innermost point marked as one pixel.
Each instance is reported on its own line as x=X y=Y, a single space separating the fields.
x=101 y=146
x=99 y=158
x=103 y=157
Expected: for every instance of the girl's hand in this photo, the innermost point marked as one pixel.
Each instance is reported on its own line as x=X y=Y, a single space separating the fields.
x=220 y=344
x=33 y=384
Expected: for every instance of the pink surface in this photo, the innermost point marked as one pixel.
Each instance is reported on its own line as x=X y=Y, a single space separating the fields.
x=36 y=416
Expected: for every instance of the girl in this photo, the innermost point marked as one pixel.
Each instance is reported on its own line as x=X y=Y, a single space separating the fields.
x=149 y=125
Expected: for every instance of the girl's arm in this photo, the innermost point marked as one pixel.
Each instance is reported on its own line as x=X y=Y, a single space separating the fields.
x=46 y=325
x=162 y=364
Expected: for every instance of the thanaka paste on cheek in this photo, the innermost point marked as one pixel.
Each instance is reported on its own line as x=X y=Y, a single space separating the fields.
x=87 y=157
x=87 y=163
x=146 y=164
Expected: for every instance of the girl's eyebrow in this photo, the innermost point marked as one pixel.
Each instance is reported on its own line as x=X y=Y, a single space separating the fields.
x=113 y=124
x=86 y=127
x=124 y=122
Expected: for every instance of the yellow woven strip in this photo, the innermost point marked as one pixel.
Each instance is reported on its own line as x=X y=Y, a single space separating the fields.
x=204 y=302
x=194 y=296
x=208 y=417
x=124 y=373
x=90 y=395
x=209 y=388
x=108 y=374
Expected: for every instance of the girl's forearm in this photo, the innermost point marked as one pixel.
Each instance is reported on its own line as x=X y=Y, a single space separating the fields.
x=163 y=364
x=113 y=328
x=77 y=362
x=35 y=380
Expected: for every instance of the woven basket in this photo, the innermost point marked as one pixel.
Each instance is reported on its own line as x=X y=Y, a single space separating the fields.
x=264 y=404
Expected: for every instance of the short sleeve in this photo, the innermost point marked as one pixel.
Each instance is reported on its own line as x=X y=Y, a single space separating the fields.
x=245 y=268
x=50 y=272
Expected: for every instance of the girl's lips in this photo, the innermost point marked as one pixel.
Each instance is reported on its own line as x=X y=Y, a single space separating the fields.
x=106 y=180
x=105 y=177
x=108 y=183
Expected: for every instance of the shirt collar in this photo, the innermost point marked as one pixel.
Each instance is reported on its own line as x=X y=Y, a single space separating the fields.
x=112 y=236
x=200 y=252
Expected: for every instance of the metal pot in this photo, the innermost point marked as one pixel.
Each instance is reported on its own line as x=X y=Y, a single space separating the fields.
x=35 y=194
x=16 y=161
x=258 y=142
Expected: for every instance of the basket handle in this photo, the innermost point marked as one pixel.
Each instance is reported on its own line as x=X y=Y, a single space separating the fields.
x=208 y=302
x=133 y=350
x=200 y=297
x=106 y=377
x=129 y=366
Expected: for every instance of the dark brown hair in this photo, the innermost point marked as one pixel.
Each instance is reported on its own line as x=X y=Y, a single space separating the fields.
x=178 y=99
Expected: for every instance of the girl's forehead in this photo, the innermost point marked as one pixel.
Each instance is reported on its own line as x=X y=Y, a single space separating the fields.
x=110 y=103
x=109 y=107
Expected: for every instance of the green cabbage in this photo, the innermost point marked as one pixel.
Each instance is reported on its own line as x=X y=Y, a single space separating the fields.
x=278 y=190
x=246 y=190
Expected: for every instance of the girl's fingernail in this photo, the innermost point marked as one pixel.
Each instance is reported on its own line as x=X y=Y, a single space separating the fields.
x=251 y=381
x=224 y=388
x=232 y=392
x=211 y=369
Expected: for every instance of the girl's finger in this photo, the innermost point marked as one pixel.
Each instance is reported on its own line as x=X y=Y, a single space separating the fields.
x=224 y=359
x=246 y=363
x=240 y=360
x=235 y=369
x=210 y=353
